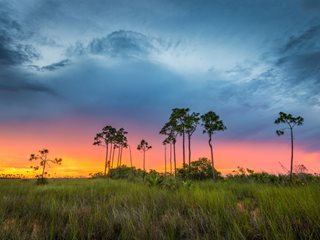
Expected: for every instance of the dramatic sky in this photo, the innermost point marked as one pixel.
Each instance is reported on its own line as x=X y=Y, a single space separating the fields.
x=67 y=68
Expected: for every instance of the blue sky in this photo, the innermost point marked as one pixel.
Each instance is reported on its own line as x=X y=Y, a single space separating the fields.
x=135 y=60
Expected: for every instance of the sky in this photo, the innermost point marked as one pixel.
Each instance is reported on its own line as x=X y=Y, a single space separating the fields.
x=68 y=68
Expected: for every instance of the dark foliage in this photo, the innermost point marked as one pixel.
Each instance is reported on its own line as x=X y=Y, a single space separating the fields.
x=199 y=170
x=124 y=172
x=248 y=175
x=41 y=181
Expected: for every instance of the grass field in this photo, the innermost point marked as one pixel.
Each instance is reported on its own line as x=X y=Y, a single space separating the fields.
x=118 y=209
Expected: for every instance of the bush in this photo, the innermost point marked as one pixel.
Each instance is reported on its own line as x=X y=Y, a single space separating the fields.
x=170 y=183
x=248 y=175
x=41 y=181
x=166 y=182
x=97 y=175
x=154 y=180
x=124 y=172
x=199 y=170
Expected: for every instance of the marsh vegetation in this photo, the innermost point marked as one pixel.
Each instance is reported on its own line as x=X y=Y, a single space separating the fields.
x=104 y=208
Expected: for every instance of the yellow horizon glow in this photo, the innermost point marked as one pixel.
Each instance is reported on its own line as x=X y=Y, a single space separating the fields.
x=80 y=157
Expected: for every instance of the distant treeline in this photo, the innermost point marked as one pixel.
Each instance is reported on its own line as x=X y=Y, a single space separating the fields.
x=182 y=123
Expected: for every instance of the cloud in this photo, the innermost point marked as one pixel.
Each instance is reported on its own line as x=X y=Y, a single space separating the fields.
x=122 y=44
x=15 y=80
x=128 y=89
x=299 y=65
x=87 y=67
x=24 y=86
x=12 y=51
x=306 y=41
x=15 y=83
x=57 y=65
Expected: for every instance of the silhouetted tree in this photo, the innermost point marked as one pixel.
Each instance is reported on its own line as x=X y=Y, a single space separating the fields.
x=300 y=169
x=169 y=129
x=191 y=123
x=121 y=141
x=167 y=141
x=291 y=122
x=178 y=120
x=106 y=138
x=144 y=147
x=44 y=161
x=211 y=123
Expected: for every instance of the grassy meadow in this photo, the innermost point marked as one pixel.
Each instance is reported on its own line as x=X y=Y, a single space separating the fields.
x=120 y=209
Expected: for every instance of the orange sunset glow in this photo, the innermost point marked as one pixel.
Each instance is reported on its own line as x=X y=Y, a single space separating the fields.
x=73 y=142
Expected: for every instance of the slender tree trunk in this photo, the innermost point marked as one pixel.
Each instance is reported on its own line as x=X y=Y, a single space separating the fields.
x=121 y=156
x=43 y=169
x=118 y=160
x=291 y=164
x=110 y=152
x=144 y=160
x=183 y=149
x=130 y=156
x=113 y=150
x=174 y=159
x=106 y=162
x=189 y=146
x=170 y=157
x=165 y=160
x=212 y=162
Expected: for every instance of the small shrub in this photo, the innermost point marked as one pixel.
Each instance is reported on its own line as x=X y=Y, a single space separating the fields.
x=187 y=183
x=154 y=180
x=248 y=175
x=41 y=181
x=170 y=183
x=124 y=172
x=199 y=170
x=97 y=175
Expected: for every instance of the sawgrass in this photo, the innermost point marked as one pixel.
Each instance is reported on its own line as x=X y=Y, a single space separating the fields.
x=118 y=209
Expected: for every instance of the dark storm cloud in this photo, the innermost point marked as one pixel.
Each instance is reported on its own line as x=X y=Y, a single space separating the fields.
x=15 y=54
x=306 y=41
x=12 y=52
x=57 y=65
x=87 y=66
x=116 y=44
x=24 y=96
x=131 y=90
x=290 y=83
x=14 y=80
x=299 y=63
x=24 y=86
x=123 y=44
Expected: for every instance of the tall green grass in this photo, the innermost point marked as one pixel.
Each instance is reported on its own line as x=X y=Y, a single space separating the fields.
x=118 y=209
